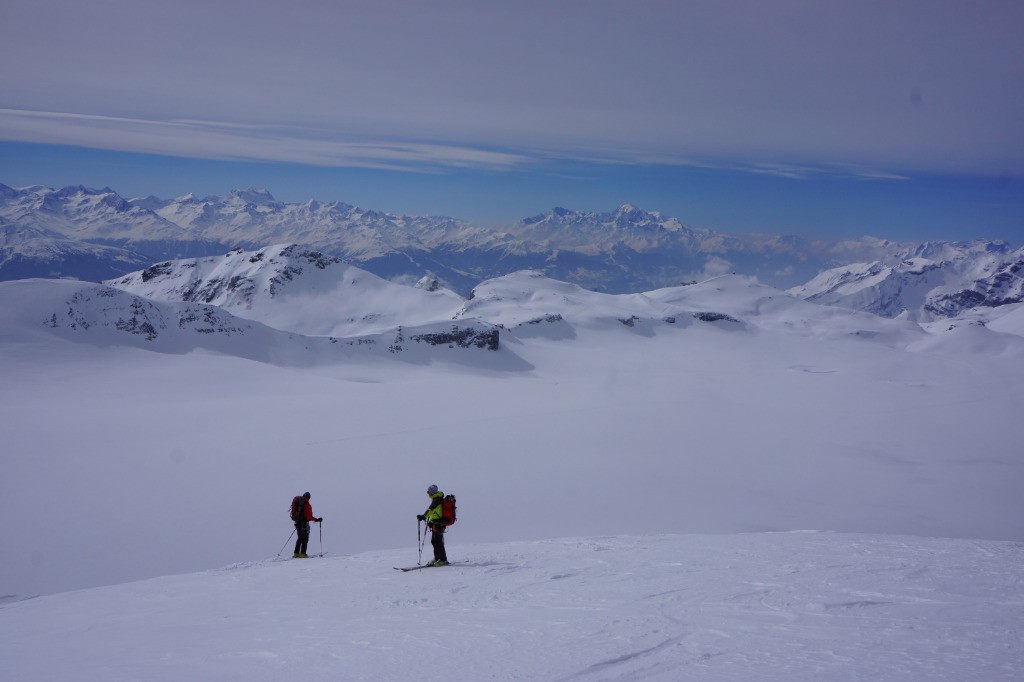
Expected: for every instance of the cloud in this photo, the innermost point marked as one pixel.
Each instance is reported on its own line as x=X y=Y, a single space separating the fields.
x=716 y=266
x=804 y=172
x=230 y=141
x=777 y=87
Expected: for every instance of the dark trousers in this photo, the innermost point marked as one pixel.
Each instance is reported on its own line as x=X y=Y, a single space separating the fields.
x=302 y=530
x=437 y=542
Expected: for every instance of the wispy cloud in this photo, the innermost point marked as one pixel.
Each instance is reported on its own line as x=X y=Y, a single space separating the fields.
x=899 y=87
x=230 y=141
x=233 y=141
x=805 y=172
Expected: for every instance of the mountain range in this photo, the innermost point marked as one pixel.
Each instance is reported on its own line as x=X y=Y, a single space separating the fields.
x=292 y=305
x=95 y=235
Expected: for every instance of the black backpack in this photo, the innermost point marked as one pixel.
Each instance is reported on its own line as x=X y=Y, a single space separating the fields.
x=298 y=507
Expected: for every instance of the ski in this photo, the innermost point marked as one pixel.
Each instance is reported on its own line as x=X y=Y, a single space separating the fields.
x=406 y=569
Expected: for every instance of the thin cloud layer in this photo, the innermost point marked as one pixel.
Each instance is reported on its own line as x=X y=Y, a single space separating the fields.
x=238 y=142
x=889 y=88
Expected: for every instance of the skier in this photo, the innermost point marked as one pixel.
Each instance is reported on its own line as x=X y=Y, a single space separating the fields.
x=302 y=514
x=435 y=522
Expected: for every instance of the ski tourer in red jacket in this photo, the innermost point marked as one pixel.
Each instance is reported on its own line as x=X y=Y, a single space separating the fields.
x=302 y=526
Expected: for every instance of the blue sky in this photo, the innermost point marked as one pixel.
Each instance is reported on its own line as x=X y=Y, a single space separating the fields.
x=899 y=120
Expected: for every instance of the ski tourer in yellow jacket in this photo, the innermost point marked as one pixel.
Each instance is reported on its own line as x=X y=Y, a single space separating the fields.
x=434 y=516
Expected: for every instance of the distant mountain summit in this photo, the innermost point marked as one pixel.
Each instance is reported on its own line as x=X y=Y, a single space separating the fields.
x=587 y=232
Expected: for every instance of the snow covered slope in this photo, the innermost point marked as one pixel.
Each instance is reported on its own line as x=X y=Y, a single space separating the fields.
x=772 y=607
x=528 y=303
x=936 y=281
x=294 y=289
x=27 y=252
x=98 y=315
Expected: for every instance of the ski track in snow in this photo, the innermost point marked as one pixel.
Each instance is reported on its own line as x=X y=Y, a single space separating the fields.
x=777 y=606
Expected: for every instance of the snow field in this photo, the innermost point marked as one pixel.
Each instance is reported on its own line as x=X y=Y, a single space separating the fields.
x=768 y=606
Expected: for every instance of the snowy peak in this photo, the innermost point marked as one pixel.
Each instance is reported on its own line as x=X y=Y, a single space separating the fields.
x=950 y=251
x=1004 y=286
x=294 y=289
x=628 y=215
x=624 y=218
x=934 y=280
x=85 y=214
x=255 y=196
x=235 y=280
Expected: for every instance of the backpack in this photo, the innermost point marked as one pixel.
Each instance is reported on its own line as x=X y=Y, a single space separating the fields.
x=448 y=510
x=298 y=505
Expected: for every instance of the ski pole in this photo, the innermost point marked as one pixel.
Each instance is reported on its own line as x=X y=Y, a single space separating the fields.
x=321 y=524
x=286 y=542
x=419 y=542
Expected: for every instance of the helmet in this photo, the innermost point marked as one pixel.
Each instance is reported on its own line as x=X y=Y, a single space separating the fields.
x=431 y=490
x=306 y=495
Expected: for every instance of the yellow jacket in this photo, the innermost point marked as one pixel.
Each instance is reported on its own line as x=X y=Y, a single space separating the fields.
x=434 y=511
